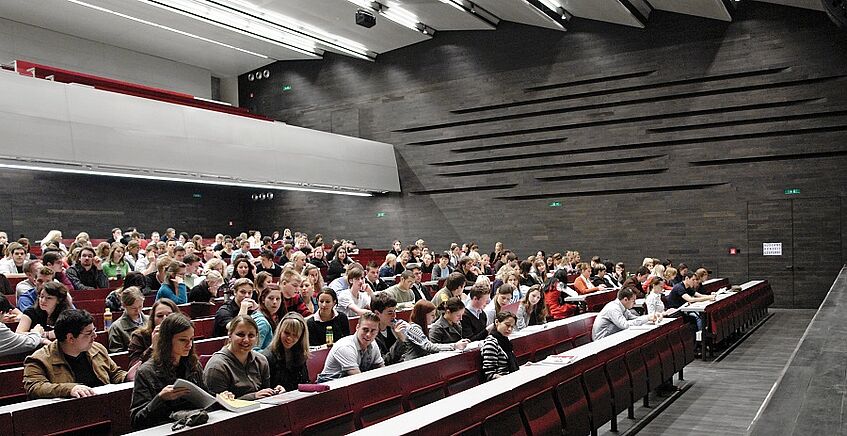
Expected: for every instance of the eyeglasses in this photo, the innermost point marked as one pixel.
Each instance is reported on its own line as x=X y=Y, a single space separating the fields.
x=91 y=334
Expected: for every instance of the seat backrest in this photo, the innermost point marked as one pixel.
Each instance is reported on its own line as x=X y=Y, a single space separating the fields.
x=637 y=373
x=599 y=395
x=620 y=383
x=315 y=364
x=505 y=422
x=540 y=413
x=573 y=406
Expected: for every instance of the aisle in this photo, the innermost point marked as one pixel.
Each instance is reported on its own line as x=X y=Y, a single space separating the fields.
x=725 y=396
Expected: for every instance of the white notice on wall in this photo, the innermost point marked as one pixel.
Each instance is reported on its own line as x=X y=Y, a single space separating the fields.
x=772 y=248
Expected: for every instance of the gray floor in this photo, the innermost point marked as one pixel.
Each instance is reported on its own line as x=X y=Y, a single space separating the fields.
x=725 y=396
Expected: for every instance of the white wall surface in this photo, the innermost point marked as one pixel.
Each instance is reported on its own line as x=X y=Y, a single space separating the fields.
x=35 y=44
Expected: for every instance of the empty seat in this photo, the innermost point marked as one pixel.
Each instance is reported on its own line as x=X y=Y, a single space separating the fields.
x=666 y=354
x=541 y=414
x=653 y=363
x=505 y=422
x=620 y=383
x=582 y=339
x=425 y=395
x=381 y=410
x=637 y=375
x=462 y=382
x=573 y=407
x=599 y=396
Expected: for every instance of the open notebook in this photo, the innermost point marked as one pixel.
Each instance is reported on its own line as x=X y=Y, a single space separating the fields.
x=203 y=400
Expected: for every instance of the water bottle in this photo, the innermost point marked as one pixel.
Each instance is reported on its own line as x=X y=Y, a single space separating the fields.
x=107 y=319
x=329 y=338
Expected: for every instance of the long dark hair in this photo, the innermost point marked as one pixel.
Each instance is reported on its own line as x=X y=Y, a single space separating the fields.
x=264 y=309
x=249 y=275
x=292 y=322
x=419 y=312
x=173 y=325
x=59 y=291
x=147 y=329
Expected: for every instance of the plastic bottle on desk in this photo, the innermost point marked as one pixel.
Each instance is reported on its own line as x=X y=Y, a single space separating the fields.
x=329 y=336
x=107 y=319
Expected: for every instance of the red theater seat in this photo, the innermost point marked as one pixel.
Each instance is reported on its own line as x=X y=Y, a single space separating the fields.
x=573 y=407
x=541 y=414
x=505 y=422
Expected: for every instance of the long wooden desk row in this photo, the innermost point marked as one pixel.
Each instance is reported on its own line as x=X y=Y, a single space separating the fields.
x=607 y=377
x=11 y=379
x=411 y=384
x=732 y=312
x=361 y=400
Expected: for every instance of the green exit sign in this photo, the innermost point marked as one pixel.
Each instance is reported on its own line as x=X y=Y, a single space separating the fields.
x=286 y=88
x=794 y=191
x=555 y=204
x=380 y=214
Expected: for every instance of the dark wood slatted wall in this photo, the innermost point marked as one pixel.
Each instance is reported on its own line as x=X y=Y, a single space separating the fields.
x=653 y=141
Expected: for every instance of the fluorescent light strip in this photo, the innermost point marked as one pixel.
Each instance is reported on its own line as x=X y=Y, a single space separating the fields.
x=329 y=40
x=550 y=5
x=393 y=12
x=180 y=180
x=224 y=21
x=455 y=5
x=170 y=29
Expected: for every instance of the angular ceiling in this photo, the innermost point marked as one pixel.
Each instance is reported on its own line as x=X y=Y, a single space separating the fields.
x=232 y=37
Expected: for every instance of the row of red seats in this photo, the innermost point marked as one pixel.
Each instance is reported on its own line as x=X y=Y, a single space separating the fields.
x=576 y=399
x=726 y=318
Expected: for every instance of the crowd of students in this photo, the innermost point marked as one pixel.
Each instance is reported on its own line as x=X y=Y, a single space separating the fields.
x=293 y=296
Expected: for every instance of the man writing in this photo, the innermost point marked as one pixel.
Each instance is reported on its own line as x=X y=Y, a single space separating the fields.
x=616 y=316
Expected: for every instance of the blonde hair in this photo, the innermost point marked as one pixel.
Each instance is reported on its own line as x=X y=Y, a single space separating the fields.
x=52 y=236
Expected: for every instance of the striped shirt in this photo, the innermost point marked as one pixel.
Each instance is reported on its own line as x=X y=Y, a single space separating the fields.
x=494 y=359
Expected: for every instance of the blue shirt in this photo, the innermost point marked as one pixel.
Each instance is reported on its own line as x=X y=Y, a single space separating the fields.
x=26 y=300
x=165 y=291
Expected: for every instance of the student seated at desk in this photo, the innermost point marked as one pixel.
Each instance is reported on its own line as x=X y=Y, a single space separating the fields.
x=475 y=325
x=402 y=291
x=448 y=328
x=635 y=282
x=327 y=316
x=120 y=333
x=72 y=364
x=141 y=341
x=12 y=343
x=53 y=300
x=418 y=344
x=238 y=368
x=288 y=353
x=454 y=286
x=173 y=287
x=207 y=290
x=356 y=353
x=154 y=396
x=391 y=338
x=498 y=357
x=532 y=310
x=616 y=316
x=268 y=316
x=685 y=292
x=654 y=298
x=503 y=297
x=241 y=304
x=583 y=284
